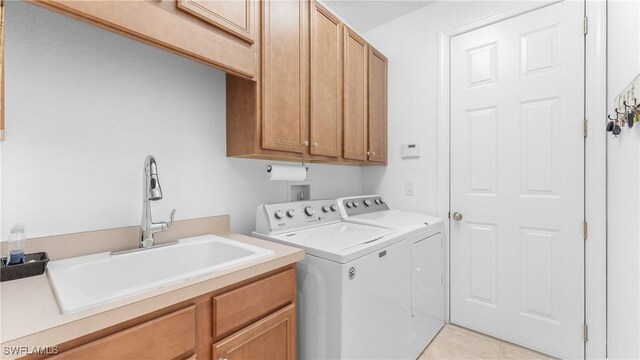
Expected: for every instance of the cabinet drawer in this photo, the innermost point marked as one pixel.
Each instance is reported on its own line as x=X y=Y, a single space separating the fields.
x=166 y=337
x=238 y=308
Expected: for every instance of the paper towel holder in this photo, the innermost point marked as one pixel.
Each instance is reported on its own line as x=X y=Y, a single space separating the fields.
x=306 y=168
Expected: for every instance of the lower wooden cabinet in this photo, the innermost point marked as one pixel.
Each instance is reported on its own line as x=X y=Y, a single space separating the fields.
x=270 y=338
x=255 y=319
x=166 y=337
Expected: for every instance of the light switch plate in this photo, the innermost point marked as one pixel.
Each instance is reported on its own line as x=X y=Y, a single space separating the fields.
x=410 y=150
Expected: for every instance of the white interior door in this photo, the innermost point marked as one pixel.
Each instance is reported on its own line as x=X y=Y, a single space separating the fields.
x=517 y=179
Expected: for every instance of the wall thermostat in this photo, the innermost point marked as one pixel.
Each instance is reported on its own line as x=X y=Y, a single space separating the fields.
x=410 y=150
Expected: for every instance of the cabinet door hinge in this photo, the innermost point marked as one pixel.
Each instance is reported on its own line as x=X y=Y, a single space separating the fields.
x=585 y=230
x=585 y=332
x=449 y=215
x=586 y=25
x=585 y=127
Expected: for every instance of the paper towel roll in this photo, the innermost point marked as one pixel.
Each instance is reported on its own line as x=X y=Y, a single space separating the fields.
x=287 y=173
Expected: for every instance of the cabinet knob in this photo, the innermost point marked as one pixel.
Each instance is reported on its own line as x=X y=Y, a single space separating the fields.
x=368 y=153
x=306 y=143
x=373 y=153
x=315 y=144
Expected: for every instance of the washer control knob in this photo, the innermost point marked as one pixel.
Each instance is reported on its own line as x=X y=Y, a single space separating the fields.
x=349 y=204
x=325 y=209
x=355 y=204
x=381 y=201
x=377 y=201
x=367 y=202
x=279 y=214
x=334 y=208
x=309 y=211
x=291 y=213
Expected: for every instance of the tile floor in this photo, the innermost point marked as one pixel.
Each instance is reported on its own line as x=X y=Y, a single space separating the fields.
x=454 y=342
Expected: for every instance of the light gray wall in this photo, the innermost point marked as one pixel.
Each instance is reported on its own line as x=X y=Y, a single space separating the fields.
x=85 y=106
x=623 y=238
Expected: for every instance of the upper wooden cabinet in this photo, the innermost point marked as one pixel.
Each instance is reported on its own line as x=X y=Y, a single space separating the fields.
x=285 y=76
x=218 y=40
x=355 y=96
x=377 y=106
x=236 y=17
x=326 y=83
x=301 y=86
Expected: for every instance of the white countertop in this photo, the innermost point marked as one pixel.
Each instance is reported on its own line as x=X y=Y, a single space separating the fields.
x=29 y=313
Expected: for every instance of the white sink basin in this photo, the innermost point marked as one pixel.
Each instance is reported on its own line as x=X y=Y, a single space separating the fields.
x=86 y=281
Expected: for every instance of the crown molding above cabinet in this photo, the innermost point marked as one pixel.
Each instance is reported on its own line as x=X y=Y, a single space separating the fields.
x=301 y=85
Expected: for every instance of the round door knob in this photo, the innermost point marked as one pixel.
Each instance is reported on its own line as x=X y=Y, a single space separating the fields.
x=309 y=211
x=334 y=208
x=279 y=214
x=305 y=143
x=456 y=216
x=291 y=213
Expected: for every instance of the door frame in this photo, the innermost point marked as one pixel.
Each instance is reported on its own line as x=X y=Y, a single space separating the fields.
x=595 y=155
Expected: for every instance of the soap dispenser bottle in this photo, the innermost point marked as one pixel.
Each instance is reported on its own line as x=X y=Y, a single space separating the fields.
x=16 y=241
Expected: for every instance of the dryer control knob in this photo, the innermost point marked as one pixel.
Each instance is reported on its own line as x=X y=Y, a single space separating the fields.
x=309 y=211
x=291 y=213
x=325 y=208
x=334 y=208
x=349 y=204
x=279 y=214
x=367 y=202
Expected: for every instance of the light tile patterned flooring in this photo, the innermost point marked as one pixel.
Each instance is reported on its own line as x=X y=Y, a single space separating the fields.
x=454 y=342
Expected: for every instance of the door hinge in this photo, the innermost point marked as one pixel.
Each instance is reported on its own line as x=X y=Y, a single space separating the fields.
x=585 y=127
x=449 y=215
x=585 y=332
x=586 y=25
x=585 y=230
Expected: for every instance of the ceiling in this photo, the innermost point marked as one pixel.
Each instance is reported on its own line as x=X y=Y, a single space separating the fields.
x=366 y=14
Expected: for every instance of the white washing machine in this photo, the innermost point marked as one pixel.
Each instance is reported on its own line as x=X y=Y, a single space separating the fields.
x=354 y=289
x=424 y=236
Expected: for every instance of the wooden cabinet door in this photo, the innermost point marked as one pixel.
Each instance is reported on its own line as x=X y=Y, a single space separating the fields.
x=285 y=84
x=326 y=83
x=355 y=96
x=271 y=338
x=166 y=337
x=235 y=17
x=377 y=106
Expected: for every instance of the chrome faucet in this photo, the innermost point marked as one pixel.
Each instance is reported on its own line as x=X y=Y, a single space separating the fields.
x=151 y=191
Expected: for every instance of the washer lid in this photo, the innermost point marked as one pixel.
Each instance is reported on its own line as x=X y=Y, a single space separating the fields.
x=396 y=219
x=340 y=242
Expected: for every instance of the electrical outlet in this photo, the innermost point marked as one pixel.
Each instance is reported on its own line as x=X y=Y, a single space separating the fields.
x=408 y=188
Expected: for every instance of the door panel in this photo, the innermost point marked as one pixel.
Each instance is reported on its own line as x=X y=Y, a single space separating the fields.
x=326 y=83
x=235 y=17
x=517 y=177
x=272 y=338
x=355 y=96
x=377 y=106
x=285 y=75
